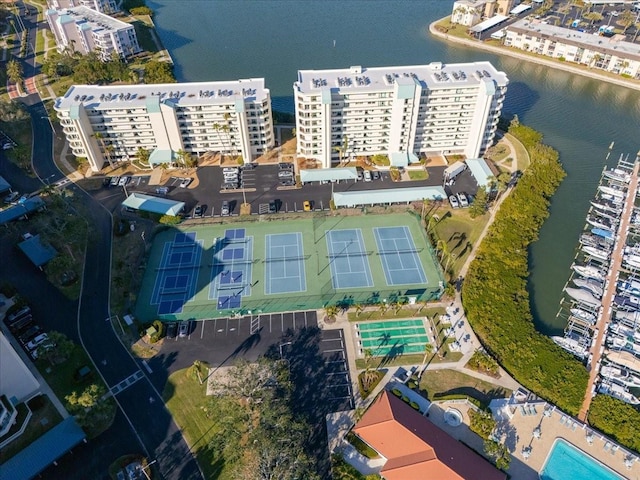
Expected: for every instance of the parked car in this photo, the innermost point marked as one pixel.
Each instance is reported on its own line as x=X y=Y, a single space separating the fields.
x=230 y=170
x=375 y=174
x=273 y=207
x=124 y=180
x=287 y=182
x=23 y=312
x=285 y=174
x=29 y=334
x=198 y=211
x=360 y=175
x=114 y=181
x=224 y=211
x=21 y=324
x=185 y=182
x=12 y=197
x=183 y=328
x=229 y=186
x=248 y=166
x=454 y=201
x=285 y=166
x=33 y=344
x=306 y=206
x=462 y=197
x=367 y=175
x=172 y=328
x=162 y=190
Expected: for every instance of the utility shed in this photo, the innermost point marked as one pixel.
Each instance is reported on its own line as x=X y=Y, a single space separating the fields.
x=39 y=253
x=480 y=171
x=328 y=174
x=388 y=196
x=148 y=203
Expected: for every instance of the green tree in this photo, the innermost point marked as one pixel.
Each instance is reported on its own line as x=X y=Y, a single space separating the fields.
x=369 y=375
x=482 y=423
x=14 y=71
x=143 y=156
x=499 y=453
x=91 y=406
x=158 y=72
x=479 y=205
x=626 y=19
x=12 y=111
x=57 y=348
x=331 y=311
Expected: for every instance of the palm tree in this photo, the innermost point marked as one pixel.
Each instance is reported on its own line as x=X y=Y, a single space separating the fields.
x=369 y=376
x=14 y=71
x=626 y=19
x=383 y=307
x=143 y=156
x=358 y=308
x=428 y=349
x=341 y=149
x=331 y=311
x=197 y=364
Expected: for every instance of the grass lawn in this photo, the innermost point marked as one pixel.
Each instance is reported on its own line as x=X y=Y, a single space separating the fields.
x=145 y=38
x=442 y=383
x=418 y=174
x=460 y=232
x=414 y=359
x=44 y=418
x=521 y=153
x=186 y=400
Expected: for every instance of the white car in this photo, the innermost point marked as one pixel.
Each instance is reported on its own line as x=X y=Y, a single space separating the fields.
x=454 y=201
x=230 y=170
x=123 y=181
x=33 y=344
x=185 y=182
x=464 y=202
x=367 y=175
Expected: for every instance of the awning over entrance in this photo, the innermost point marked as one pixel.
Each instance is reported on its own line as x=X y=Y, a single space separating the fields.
x=162 y=206
x=392 y=195
x=328 y=174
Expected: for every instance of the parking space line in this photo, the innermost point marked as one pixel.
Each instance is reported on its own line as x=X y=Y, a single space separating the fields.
x=202 y=331
x=332 y=351
x=282 y=320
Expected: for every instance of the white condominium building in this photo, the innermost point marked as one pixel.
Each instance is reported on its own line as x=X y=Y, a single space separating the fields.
x=85 y=30
x=104 y=6
x=111 y=123
x=402 y=112
x=613 y=54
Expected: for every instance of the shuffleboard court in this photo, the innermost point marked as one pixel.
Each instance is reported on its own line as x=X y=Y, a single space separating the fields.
x=393 y=336
x=399 y=256
x=284 y=264
x=348 y=259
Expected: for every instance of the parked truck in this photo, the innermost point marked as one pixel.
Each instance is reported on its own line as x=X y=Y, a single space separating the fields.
x=453 y=170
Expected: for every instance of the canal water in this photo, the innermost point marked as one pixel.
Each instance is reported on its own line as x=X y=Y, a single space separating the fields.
x=231 y=39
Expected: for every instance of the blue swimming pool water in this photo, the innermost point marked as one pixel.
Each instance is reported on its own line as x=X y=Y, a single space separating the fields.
x=566 y=462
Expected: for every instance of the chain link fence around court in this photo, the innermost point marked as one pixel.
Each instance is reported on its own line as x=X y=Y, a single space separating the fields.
x=328 y=294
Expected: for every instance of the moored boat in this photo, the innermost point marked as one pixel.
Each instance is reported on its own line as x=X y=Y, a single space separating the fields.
x=618 y=391
x=612 y=191
x=618 y=175
x=571 y=345
x=583 y=315
x=582 y=295
x=593 y=286
x=595 y=252
x=603 y=232
x=589 y=271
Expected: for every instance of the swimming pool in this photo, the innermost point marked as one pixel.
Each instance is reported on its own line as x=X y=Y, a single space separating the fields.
x=566 y=462
x=397 y=336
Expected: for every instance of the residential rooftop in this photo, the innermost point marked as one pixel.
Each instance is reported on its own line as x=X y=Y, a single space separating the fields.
x=613 y=46
x=183 y=94
x=433 y=76
x=95 y=19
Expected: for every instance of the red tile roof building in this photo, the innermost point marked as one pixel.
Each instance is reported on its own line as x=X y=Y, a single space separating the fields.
x=415 y=448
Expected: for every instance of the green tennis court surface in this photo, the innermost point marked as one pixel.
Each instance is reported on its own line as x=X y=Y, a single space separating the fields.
x=218 y=270
x=392 y=336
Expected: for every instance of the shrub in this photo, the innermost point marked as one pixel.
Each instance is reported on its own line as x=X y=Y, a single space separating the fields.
x=415 y=406
x=170 y=220
x=141 y=11
x=361 y=446
x=396 y=392
x=405 y=399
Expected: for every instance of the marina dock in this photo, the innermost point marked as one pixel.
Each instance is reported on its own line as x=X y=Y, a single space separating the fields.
x=609 y=293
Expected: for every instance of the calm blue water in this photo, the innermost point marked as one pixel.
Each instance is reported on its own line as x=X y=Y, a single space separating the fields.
x=231 y=39
x=566 y=462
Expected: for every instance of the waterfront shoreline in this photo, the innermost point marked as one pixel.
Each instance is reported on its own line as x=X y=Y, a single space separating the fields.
x=528 y=58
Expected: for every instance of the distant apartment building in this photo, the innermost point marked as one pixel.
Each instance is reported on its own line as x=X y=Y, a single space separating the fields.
x=111 y=123
x=402 y=112
x=104 y=6
x=471 y=12
x=84 y=30
x=613 y=54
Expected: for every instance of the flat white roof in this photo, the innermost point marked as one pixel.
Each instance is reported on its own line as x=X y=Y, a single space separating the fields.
x=96 y=19
x=490 y=22
x=519 y=9
x=574 y=37
x=433 y=76
x=320 y=174
x=186 y=94
x=357 y=198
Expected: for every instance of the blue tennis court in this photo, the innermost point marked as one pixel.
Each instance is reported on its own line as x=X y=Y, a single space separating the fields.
x=284 y=264
x=177 y=274
x=399 y=256
x=231 y=269
x=348 y=259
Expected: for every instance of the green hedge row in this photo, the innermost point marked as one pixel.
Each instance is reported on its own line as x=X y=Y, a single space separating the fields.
x=495 y=295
